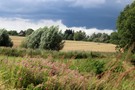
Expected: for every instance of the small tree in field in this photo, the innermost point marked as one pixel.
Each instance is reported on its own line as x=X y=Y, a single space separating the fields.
x=4 y=39
x=45 y=38
x=33 y=40
x=51 y=39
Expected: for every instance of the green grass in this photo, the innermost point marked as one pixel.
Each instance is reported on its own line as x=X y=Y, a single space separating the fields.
x=76 y=71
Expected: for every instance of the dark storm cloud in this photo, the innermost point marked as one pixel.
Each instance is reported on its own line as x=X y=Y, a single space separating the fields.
x=101 y=14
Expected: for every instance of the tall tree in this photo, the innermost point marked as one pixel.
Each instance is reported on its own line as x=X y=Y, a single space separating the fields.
x=126 y=26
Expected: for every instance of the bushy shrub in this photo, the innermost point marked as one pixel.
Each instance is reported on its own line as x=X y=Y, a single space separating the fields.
x=44 y=38
x=4 y=39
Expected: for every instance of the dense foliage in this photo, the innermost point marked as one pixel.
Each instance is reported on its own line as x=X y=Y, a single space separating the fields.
x=99 y=37
x=68 y=35
x=114 y=38
x=45 y=38
x=4 y=39
x=80 y=36
x=13 y=33
x=29 y=31
x=126 y=26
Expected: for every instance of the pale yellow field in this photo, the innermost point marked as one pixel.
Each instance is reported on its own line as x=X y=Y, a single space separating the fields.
x=76 y=45
x=16 y=40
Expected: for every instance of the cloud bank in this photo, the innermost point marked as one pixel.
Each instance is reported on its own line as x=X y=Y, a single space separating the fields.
x=23 y=24
x=100 y=14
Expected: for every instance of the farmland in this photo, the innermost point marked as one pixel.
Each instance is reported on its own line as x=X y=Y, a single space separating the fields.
x=76 y=45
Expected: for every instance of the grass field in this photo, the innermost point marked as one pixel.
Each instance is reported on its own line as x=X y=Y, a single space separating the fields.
x=76 y=45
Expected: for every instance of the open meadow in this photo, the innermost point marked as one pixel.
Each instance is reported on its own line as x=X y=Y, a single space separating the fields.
x=76 y=45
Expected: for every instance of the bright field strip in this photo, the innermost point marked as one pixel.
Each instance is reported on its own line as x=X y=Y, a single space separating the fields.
x=76 y=45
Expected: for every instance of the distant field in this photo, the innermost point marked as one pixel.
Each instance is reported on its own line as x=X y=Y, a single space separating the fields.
x=76 y=45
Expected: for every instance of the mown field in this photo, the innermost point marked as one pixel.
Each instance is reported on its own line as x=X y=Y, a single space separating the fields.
x=76 y=45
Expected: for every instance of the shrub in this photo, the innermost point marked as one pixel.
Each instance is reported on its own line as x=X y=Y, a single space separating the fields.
x=4 y=39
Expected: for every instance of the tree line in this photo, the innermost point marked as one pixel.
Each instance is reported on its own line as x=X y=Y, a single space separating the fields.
x=21 y=33
x=70 y=34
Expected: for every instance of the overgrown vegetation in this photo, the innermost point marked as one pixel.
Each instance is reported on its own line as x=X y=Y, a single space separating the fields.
x=44 y=54
x=51 y=73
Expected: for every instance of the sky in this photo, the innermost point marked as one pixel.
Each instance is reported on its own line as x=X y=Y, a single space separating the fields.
x=86 y=15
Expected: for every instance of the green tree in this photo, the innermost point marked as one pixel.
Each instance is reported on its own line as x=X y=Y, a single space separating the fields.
x=79 y=36
x=51 y=39
x=44 y=38
x=5 y=39
x=126 y=27
x=29 y=31
x=13 y=33
x=68 y=34
x=114 y=38
x=104 y=38
x=100 y=37
x=33 y=40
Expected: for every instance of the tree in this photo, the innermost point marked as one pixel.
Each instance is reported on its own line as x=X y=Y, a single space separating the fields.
x=114 y=38
x=45 y=38
x=51 y=39
x=13 y=33
x=79 y=35
x=104 y=38
x=4 y=39
x=33 y=40
x=100 y=37
x=126 y=27
x=68 y=34
x=29 y=31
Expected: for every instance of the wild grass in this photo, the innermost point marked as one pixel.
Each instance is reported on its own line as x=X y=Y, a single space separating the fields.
x=27 y=69
x=18 y=52
x=73 y=74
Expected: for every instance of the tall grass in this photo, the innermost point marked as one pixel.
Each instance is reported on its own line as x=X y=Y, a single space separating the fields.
x=44 y=54
x=80 y=74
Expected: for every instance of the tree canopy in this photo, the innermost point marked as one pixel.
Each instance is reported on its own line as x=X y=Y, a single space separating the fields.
x=5 y=39
x=45 y=38
x=126 y=26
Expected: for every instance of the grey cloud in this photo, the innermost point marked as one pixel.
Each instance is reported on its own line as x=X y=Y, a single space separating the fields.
x=89 y=13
